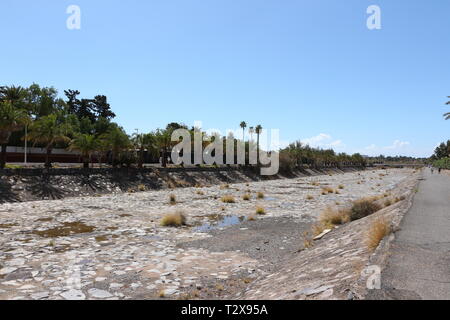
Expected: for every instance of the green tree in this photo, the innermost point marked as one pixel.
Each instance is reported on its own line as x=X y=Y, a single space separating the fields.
x=116 y=140
x=86 y=144
x=11 y=120
x=243 y=125
x=15 y=95
x=142 y=142
x=442 y=151
x=163 y=143
x=258 y=131
x=41 y=102
x=48 y=131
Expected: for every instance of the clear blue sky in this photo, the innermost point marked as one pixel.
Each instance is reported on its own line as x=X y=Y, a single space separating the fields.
x=310 y=68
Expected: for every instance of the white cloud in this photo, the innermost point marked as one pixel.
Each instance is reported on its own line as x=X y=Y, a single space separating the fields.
x=398 y=145
x=323 y=140
x=315 y=141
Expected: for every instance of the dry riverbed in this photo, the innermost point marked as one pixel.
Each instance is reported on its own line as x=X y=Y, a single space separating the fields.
x=113 y=246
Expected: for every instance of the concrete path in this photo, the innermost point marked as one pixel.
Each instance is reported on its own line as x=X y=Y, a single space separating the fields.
x=419 y=264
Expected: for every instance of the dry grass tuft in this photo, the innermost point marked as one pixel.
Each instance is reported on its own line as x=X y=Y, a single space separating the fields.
x=251 y=217
x=318 y=228
x=260 y=211
x=224 y=186
x=378 y=230
x=309 y=197
x=246 y=197
x=228 y=199
x=172 y=199
x=363 y=208
x=327 y=190
x=334 y=217
x=388 y=203
x=161 y=294
x=342 y=187
x=219 y=287
x=308 y=242
x=260 y=195
x=142 y=187
x=176 y=219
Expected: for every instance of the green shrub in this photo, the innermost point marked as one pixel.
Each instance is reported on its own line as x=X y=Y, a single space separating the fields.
x=443 y=163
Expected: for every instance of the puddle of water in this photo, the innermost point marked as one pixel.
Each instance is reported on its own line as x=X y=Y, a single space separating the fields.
x=66 y=229
x=223 y=222
x=8 y=225
x=101 y=238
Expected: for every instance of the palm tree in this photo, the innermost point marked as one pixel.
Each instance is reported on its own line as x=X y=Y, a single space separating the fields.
x=243 y=125
x=86 y=144
x=144 y=141
x=163 y=142
x=11 y=120
x=136 y=140
x=116 y=140
x=15 y=95
x=251 y=130
x=49 y=130
x=258 y=131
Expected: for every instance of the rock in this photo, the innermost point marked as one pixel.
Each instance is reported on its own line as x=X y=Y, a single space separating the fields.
x=100 y=294
x=314 y=290
x=73 y=295
x=7 y=270
x=40 y=295
x=27 y=287
x=169 y=292
x=320 y=236
x=16 y=262
x=100 y=279
x=326 y=294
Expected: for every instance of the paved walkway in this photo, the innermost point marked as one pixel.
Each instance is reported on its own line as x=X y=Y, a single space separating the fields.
x=419 y=266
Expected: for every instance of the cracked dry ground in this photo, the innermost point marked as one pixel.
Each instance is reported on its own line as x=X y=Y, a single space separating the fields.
x=113 y=247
